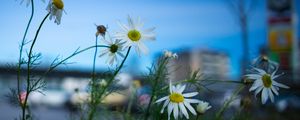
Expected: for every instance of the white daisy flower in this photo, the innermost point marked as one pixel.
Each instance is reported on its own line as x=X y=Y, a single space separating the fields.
x=178 y=103
x=265 y=82
x=55 y=7
x=103 y=83
x=170 y=54
x=202 y=107
x=115 y=48
x=134 y=35
x=28 y=2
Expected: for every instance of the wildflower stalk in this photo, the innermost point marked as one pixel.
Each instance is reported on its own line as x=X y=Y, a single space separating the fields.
x=94 y=61
x=98 y=99
x=64 y=60
x=93 y=81
x=229 y=101
x=28 y=67
x=156 y=80
x=225 y=81
x=198 y=117
x=21 y=50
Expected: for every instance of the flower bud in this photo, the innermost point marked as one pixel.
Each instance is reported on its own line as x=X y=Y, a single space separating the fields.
x=202 y=107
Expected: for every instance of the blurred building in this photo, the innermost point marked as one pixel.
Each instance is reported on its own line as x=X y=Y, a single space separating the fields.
x=282 y=34
x=212 y=64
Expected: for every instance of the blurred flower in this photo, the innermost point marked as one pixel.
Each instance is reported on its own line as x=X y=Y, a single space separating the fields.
x=134 y=35
x=103 y=83
x=263 y=62
x=202 y=107
x=115 y=48
x=28 y=2
x=144 y=100
x=55 y=7
x=177 y=101
x=23 y=97
x=170 y=54
x=282 y=105
x=137 y=83
x=80 y=98
x=101 y=30
x=265 y=82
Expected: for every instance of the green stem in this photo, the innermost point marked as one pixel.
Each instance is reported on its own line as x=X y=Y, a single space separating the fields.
x=228 y=102
x=21 y=50
x=225 y=81
x=160 y=68
x=94 y=60
x=28 y=65
x=64 y=60
x=94 y=106
x=93 y=71
x=198 y=117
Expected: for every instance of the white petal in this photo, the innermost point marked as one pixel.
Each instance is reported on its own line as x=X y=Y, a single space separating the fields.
x=177 y=87
x=121 y=54
x=190 y=94
x=164 y=106
x=139 y=23
x=255 y=85
x=112 y=58
x=175 y=113
x=274 y=72
x=103 y=53
x=276 y=76
x=162 y=99
x=138 y=51
x=262 y=72
x=124 y=27
x=142 y=48
x=264 y=96
x=192 y=100
x=183 y=110
x=271 y=95
x=258 y=90
x=130 y=23
x=190 y=108
x=170 y=109
x=253 y=76
x=149 y=30
x=149 y=36
x=279 y=84
x=274 y=90
x=181 y=88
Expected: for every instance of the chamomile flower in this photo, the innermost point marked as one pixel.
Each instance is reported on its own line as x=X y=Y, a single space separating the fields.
x=55 y=8
x=115 y=49
x=178 y=103
x=202 y=107
x=135 y=35
x=170 y=54
x=265 y=82
x=28 y=2
x=103 y=83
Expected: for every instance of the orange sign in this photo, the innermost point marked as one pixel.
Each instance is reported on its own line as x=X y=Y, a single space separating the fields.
x=281 y=39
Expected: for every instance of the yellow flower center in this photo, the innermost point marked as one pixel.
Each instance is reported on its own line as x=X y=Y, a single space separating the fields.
x=114 y=48
x=58 y=3
x=134 y=35
x=267 y=81
x=176 y=97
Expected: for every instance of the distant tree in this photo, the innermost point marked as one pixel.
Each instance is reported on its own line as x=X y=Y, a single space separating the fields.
x=242 y=10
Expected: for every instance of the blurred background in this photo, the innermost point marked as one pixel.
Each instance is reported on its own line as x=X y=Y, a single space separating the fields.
x=219 y=37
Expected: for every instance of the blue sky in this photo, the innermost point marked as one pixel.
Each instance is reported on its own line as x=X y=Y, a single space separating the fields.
x=179 y=25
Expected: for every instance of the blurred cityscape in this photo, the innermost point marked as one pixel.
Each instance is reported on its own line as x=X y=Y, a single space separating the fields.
x=68 y=87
